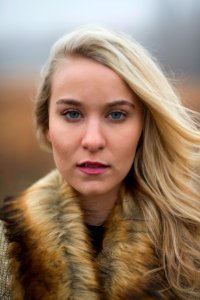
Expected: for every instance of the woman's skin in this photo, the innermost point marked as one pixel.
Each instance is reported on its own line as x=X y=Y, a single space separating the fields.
x=95 y=122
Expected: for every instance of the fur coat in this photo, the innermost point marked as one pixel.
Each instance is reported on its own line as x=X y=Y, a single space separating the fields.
x=51 y=255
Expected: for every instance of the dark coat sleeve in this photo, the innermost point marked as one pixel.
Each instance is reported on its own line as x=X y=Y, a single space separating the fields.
x=5 y=277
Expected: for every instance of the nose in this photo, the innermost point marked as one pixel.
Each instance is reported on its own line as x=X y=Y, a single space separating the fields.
x=93 y=138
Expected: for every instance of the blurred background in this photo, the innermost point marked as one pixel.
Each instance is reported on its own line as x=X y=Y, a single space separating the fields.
x=169 y=29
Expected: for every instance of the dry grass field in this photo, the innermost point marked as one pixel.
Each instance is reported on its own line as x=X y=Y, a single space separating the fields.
x=21 y=160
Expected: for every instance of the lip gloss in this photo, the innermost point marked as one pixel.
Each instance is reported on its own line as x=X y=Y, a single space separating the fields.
x=92 y=167
x=93 y=170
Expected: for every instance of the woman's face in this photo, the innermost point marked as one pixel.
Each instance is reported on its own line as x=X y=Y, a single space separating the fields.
x=95 y=122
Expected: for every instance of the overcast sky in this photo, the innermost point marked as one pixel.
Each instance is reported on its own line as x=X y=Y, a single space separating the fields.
x=29 y=27
x=20 y=17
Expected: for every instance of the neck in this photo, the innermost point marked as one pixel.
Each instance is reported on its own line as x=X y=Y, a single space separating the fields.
x=97 y=208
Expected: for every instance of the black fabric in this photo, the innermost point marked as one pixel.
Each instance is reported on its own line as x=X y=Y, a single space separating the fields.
x=96 y=234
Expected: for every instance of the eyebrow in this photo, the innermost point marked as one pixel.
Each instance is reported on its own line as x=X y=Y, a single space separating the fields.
x=69 y=101
x=77 y=103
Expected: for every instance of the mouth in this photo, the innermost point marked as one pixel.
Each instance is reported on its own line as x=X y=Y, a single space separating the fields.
x=93 y=167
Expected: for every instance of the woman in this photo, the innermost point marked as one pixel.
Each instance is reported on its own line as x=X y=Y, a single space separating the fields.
x=120 y=217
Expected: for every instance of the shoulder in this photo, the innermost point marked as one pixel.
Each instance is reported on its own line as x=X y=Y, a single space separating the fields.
x=10 y=213
x=5 y=277
x=3 y=244
x=35 y=204
x=45 y=189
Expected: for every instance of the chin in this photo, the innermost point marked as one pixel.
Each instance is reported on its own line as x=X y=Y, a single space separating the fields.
x=91 y=192
x=93 y=188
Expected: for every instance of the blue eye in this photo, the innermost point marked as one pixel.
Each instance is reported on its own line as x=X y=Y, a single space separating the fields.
x=117 y=115
x=73 y=115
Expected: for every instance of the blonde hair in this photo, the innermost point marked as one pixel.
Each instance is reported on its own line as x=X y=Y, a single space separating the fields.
x=165 y=171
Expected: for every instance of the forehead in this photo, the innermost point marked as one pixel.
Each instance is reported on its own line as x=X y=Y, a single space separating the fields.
x=83 y=78
x=81 y=69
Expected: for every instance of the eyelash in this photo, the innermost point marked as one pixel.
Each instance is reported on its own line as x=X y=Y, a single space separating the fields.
x=123 y=115
x=67 y=112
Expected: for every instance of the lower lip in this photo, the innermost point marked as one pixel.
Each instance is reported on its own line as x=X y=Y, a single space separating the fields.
x=93 y=171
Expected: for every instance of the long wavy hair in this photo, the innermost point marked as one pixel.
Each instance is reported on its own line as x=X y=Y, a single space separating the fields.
x=165 y=170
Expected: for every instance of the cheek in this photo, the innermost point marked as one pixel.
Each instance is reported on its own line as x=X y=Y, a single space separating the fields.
x=61 y=147
x=58 y=142
x=59 y=136
x=132 y=139
x=128 y=149
x=129 y=153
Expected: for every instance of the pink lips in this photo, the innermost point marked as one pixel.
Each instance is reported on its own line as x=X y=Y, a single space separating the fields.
x=92 y=167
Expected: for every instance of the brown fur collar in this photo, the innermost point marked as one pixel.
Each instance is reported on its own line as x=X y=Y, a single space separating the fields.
x=52 y=256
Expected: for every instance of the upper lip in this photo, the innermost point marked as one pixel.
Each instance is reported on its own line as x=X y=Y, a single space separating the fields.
x=93 y=163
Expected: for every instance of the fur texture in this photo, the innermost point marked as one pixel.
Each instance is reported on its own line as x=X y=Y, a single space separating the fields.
x=51 y=252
